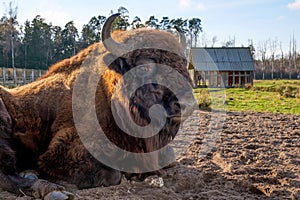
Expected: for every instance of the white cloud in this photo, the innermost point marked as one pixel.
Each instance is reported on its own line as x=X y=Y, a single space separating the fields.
x=295 y=5
x=185 y=3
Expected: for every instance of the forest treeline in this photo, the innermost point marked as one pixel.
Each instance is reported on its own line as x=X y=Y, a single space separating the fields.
x=37 y=44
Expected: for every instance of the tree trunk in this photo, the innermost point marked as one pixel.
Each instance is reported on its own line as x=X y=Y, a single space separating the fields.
x=13 y=59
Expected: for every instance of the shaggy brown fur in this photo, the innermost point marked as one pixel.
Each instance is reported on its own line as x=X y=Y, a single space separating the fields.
x=36 y=120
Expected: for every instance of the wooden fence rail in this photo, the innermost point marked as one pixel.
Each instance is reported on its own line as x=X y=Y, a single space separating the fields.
x=18 y=76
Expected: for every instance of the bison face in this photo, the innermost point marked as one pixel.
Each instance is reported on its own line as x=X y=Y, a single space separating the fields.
x=150 y=101
x=149 y=104
x=142 y=96
x=153 y=95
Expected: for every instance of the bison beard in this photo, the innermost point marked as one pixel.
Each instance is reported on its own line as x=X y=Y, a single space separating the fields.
x=37 y=129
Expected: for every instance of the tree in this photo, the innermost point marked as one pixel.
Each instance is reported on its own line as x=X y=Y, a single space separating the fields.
x=180 y=23
x=96 y=23
x=298 y=64
x=252 y=48
x=25 y=43
x=91 y=32
x=165 y=24
x=136 y=23
x=262 y=49
x=57 y=46
x=281 y=61
x=292 y=55
x=38 y=40
x=230 y=42
x=69 y=39
x=12 y=22
x=204 y=40
x=121 y=22
x=9 y=36
x=88 y=36
x=4 y=42
x=273 y=48
x=194 y=29
x=214 y=41
x=152 y=22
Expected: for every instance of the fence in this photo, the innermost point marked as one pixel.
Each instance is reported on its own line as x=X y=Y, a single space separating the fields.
x=9 y=76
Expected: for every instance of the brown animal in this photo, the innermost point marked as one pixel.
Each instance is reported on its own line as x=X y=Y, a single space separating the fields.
x=37 y=128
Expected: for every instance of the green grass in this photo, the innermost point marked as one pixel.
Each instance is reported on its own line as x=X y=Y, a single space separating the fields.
x=268 y=83
x=286 y=88
x=276 y=100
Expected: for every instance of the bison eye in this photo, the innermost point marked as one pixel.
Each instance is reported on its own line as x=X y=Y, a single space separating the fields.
x=145 y=66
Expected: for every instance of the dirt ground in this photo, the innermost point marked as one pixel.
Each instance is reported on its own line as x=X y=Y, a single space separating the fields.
x=243 y=156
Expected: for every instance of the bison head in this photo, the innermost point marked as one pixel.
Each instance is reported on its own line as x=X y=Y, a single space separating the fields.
x=148 y=95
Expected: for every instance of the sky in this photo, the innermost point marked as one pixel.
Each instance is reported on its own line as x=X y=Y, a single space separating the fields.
x=258 y=20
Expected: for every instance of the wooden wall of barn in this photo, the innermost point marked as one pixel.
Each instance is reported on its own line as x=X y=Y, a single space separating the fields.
x=223 y=78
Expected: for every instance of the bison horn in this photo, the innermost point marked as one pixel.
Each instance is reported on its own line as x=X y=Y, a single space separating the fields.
x=182 y=39
x=111 y=45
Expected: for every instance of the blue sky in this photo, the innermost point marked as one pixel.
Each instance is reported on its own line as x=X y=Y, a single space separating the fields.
x=258 y=20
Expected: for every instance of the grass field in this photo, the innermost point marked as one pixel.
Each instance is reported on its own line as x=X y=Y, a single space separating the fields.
x=276 y=96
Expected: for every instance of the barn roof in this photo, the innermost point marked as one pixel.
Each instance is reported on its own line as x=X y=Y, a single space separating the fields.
x=221 y=59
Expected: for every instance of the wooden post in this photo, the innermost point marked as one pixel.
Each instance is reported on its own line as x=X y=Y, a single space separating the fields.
x=233 y=78
x=32 y=75
x=224 y=79
x=215 y=78
x=24 y=76
x=210 y=79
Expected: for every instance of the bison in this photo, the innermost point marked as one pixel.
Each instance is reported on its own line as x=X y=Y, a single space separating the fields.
x=37 y=128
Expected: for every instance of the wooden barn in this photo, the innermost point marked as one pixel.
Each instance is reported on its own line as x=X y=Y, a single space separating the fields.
x=221 y=67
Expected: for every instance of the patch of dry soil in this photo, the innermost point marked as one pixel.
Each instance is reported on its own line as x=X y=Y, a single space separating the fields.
x=249 y=156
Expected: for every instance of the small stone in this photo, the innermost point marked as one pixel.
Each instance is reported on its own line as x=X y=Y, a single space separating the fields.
x=29 y=174
x=155 y=181
x=59 y=195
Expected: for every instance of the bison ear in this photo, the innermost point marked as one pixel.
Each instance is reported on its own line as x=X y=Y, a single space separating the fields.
x=119 y=64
